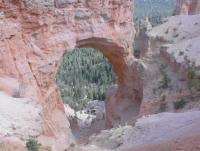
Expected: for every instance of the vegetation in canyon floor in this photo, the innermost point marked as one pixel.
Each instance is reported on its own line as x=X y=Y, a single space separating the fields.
x=84 y=75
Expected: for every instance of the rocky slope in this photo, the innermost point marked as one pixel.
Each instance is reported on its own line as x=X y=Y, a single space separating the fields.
x=19 y=117
x=166 y=131
x=173 y=50
x=180 y=35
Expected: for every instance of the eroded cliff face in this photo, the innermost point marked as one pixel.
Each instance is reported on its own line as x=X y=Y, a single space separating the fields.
x=36 y=33
x=187 y=7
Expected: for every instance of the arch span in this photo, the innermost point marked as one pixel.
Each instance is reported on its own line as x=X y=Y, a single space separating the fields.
x=35 y=40
x=122 y=101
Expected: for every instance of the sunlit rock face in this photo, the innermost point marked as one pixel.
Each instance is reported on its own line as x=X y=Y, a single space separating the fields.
x=187 y=7
x=36 y=33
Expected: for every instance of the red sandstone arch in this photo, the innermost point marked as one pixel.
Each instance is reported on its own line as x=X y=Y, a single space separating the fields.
x=34 y=36
x=123 y=101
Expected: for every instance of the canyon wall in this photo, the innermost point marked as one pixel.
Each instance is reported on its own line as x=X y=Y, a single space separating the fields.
x=36 y=33
x=187 y=7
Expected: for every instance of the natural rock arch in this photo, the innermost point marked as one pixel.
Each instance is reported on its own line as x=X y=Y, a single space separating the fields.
x=122 y=101
x=34 y=36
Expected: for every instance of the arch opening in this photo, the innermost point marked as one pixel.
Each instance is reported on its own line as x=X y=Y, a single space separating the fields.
x=122 y=104
x=84 y=75
x=83 y=78
x=122 y=101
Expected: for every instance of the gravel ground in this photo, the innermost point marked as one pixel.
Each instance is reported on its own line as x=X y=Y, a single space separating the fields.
x=19 y=117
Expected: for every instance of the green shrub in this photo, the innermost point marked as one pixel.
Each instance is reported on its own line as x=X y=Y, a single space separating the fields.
x=33 y=145
x=181 y=53
x=192 y=73
x=193 y=81
x=163 y=104
x=164 y=84
x=166 y=81
x=179 y=104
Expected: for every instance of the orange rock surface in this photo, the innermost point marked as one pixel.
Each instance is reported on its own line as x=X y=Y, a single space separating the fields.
x=36 y=33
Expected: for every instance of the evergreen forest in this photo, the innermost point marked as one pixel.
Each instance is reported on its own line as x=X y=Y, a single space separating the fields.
x=84 y=75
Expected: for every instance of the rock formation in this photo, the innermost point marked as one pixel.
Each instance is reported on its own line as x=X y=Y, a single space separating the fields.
x=181 y=47
x=36 y=33
x=88 y=121
x=150 y=133
x=187 y=7
x=142 y=41
x=174 y=46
